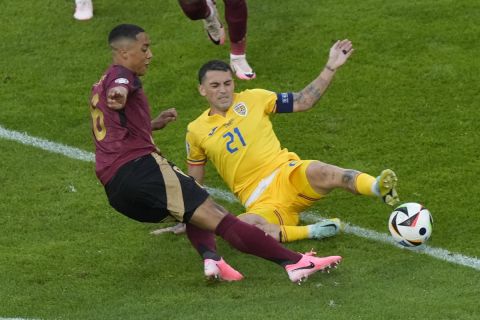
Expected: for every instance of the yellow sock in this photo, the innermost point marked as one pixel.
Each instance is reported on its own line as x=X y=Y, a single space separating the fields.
x=364 y=184
x=293 y=233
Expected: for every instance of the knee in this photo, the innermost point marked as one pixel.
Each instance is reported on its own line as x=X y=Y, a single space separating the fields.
x=323 y=177
x=208 y=215
x=272 y=230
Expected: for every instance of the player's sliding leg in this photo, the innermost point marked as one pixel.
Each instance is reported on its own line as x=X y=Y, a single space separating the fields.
x=325 y=177
x=385 y=186
x=206 y=10
x=283 y=233
x=320 y=230
x=214 y=265
x=236 y=15
x=250 y=239
x=309 y=264
x=324 y=229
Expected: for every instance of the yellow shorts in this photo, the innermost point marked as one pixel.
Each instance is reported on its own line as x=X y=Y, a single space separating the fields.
x=287 y=196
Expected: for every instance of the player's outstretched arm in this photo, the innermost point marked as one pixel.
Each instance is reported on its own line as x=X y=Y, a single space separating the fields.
x=309 y=96
x=164 y=118
x=117 y=97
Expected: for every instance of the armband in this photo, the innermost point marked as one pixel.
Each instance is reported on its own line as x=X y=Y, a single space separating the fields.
x=284 y=102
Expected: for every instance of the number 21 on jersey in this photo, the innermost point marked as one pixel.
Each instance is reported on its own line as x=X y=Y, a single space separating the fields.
x=233 y=140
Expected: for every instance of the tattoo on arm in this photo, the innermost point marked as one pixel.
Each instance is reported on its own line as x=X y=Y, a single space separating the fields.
x=310 y=95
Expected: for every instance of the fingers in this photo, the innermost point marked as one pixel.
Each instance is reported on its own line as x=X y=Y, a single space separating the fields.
x=116 y=97
x=162 y=230
x=349 y=53
x=345 y=46
x=169 y=114
x=176 y=229
x=179 y=228
x=115 y=93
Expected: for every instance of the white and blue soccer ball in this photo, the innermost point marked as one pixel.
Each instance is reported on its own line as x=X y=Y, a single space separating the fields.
x=410 y=224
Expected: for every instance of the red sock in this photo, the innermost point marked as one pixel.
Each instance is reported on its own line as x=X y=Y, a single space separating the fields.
x=250 y=239
x=203 y=241
x=238 y=48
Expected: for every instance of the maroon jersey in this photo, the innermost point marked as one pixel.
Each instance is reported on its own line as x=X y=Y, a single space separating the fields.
x=120 y=135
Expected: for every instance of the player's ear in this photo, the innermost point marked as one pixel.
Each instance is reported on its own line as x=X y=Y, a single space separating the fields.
x=201 y=90
x=121 y=48
x=123 y=51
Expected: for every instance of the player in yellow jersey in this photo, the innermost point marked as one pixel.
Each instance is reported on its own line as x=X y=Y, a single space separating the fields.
x=273 y=184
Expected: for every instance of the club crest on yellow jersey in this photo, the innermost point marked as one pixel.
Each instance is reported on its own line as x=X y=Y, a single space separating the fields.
x=241 y=109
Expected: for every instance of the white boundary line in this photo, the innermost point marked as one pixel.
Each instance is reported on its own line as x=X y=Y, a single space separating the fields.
x=78 y=154
x=17 y=319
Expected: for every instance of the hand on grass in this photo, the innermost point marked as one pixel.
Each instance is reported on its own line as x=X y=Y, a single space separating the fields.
x=339 y=54
x=176 y=229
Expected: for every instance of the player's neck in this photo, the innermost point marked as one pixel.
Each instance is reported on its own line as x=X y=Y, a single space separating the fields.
x=118 y=62
x=214 y=111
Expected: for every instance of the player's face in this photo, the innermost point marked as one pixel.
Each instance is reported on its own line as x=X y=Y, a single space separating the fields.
x=139 y=54
x=218 y=88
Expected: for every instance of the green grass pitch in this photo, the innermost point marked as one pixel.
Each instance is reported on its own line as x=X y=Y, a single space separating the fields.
x=408 y=99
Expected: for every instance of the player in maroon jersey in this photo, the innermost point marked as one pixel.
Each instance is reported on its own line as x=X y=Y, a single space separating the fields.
x=236 y=14
x=143 y=185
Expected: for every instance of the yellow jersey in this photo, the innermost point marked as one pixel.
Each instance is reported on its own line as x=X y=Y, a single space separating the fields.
x=242 y=145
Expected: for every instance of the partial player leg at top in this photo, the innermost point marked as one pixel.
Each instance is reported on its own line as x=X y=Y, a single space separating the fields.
x=325 y=177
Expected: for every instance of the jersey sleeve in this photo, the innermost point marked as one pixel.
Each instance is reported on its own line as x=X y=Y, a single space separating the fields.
x=195 y=154
x=276 y=102
x=265 y=98
x=122 y=78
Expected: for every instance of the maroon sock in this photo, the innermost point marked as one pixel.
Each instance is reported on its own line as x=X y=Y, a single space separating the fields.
x=195 y=10
x=238 y=48
x=203 y=241
x=236 y=16
x=250 y=239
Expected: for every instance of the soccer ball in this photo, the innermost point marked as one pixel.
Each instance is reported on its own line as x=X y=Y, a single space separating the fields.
x=410 y=224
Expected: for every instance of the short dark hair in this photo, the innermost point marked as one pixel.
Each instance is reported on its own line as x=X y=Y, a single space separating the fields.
x=213 y=65
x=128 y=31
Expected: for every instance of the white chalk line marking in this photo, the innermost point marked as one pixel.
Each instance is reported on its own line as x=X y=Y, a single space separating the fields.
x=309 y=216
x=17 y=319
